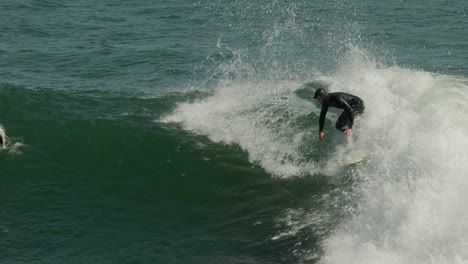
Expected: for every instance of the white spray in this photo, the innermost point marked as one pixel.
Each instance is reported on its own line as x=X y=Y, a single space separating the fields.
x=414 y=188
x=414 y=195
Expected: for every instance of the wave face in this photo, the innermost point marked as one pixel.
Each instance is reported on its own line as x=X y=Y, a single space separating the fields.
x=407 y=199
x=412 y=191
x=186 y=132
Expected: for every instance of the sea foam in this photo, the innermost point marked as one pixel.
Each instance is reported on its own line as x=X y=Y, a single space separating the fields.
x=413 y=188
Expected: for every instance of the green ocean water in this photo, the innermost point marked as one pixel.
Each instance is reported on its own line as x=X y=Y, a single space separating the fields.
x=184 y=132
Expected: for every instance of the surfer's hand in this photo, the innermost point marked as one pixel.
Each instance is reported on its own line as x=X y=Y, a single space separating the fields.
x=348 y=132
x=322 y=136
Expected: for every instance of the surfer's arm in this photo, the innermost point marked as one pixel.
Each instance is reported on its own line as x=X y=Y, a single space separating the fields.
x=323 y=113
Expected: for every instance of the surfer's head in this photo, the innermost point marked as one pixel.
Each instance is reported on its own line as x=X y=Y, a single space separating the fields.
x=320 y=95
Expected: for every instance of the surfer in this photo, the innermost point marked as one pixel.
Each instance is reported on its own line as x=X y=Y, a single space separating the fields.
x=2 y=137
x=351 y=104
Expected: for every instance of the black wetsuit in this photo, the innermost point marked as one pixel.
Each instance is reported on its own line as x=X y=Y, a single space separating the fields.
x=351 y=104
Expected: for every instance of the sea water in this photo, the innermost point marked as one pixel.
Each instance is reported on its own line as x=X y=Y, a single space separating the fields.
x=185 y=132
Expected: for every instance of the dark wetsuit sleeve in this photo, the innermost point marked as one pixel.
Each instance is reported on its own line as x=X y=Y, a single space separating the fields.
x=323 y=113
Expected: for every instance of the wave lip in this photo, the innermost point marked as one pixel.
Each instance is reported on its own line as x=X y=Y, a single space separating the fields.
x=261 y=118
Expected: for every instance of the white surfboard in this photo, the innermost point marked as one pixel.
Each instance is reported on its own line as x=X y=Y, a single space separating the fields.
x=356 y=160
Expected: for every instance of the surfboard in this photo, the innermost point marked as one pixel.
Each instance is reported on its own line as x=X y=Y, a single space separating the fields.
x=356 y=160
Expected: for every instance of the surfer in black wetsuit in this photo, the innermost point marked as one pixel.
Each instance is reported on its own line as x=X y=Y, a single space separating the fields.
x=2 y=135
x=2 y=140
x=351 y=104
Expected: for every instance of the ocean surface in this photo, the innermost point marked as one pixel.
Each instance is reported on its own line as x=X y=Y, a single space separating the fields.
x=186 y=132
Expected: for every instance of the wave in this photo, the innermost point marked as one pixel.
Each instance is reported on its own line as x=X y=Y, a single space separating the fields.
x=412 y=190
x=413 y=193
x=44 y=121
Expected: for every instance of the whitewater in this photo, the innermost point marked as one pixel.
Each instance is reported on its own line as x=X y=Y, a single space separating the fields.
x=412 y=190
